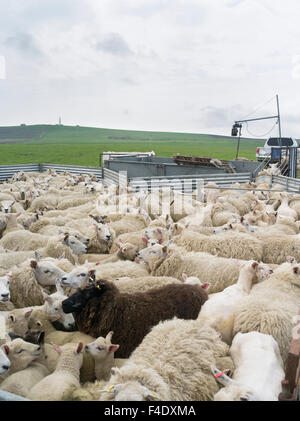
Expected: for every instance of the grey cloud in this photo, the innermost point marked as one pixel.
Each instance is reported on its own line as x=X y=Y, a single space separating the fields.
x=114 y=44
x=221 y=117
x=24 y=43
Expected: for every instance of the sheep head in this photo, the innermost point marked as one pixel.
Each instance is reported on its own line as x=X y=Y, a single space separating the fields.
x=79 y=299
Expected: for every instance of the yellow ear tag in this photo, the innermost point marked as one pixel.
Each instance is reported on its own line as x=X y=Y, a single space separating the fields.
x=91 y=279
x=110 y=387
x=154 y=394
x=98 y=286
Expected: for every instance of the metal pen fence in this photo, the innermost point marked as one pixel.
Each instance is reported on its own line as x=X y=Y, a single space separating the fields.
x=7 y=171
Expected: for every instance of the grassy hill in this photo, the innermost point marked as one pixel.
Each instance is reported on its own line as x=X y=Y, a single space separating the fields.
x=82 y=145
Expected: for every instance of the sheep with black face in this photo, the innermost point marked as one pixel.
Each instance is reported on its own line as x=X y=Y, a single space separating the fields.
x=101 y=308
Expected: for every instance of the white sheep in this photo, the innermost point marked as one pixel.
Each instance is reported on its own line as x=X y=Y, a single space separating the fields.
x=218 y=311
x=231 y=245
x=20 y=382
x=60 y=384
x=20 y=354
x=171 y=364
x=284 y=209
x=102 y=350
x=4 y=361
x=258 y=370
x=271 y=306
x=4 y=287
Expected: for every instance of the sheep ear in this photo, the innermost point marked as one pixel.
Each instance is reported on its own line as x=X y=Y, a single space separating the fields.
x=160 y=241
x=165 y=249
x=28 y=313
x=145 y=240
x=92 y=276
x=109 y=335
x=296 y=270
x=12 y=317
x=148 y=395
x=33 y=264
x=13 y=336
x=79 y=348
x=220 y=377
x=41 y=337
x=184 y=276
x=6 y=349
x=113 y=348
x=246 y=397
x=254 y=264
x=57 y=348
x=66 y=238
x=206 y=285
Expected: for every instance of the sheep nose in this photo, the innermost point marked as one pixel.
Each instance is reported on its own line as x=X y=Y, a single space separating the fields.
x=6 y=367
x=64 y=278
x=4 y=295
x=39 y=348
x=108 y=237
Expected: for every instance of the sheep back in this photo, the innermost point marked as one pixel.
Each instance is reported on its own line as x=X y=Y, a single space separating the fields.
x=131 y=316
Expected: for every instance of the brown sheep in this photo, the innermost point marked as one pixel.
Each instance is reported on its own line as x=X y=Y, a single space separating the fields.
x=100 y=308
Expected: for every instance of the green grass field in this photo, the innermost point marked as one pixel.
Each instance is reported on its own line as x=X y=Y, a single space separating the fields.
x=82 y=145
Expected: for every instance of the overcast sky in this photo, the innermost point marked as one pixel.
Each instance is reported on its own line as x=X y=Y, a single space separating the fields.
x=162 y=65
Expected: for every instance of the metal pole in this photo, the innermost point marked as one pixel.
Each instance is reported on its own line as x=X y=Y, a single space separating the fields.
x=238 y=146
x=279 y=123
x=256 y=119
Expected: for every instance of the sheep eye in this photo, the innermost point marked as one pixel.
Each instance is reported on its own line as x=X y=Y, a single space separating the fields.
x=82 y=274
x=46 y=271
x=72 y=242
x=19 y=352
x=99 y=348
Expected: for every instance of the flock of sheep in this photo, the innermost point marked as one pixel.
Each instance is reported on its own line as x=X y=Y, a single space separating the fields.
x=111 y=294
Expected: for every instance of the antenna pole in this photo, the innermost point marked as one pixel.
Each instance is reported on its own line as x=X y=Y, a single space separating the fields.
x=279 y=123
x=238 y=145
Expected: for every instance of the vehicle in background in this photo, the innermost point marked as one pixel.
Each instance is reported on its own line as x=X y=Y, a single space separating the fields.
x=273 y=142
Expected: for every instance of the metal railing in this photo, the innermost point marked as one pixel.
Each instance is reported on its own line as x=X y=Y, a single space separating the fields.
x=187 y=183
x=261 y=167
x=7 y=171
x=113 y=177
x=73 y=169
x=289 y=184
